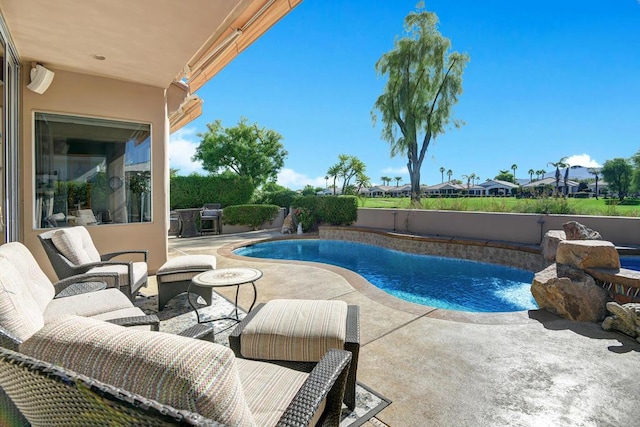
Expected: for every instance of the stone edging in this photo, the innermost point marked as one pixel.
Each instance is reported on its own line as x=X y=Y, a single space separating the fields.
x=526 y=257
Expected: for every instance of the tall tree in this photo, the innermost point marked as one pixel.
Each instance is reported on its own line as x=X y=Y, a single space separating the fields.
x=504 y=175
x=385 y=180
x=531 y=173
x=245 y=149
x=333 y=172
x=362 y=181
x=449 y=174
x=618 y=173
x=471 y=177
x=347 y=168
x=424 y=82
x=513 y=168
x=398 y=179
x=442 y=173
x=595 y=172
x=559 y=164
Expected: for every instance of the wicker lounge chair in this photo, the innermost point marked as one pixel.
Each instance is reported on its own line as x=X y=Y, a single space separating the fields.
x=164 y=385
x=28 y=299
x=211 y=214
x=71 y=251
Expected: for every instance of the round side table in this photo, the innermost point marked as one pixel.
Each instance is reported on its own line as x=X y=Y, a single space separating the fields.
x=226 y=277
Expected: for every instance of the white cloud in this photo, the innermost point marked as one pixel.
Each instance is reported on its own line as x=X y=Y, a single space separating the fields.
x=583 y=160
x=297 y=181
x=182 y=146
x=397 y=171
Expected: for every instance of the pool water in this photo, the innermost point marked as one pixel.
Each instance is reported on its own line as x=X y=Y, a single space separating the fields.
x=630 y=262
x=440 y=282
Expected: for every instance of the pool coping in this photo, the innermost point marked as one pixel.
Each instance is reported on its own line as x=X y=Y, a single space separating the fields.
x=363 y=286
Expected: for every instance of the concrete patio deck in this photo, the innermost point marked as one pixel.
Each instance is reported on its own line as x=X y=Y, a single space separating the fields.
x=444 y=368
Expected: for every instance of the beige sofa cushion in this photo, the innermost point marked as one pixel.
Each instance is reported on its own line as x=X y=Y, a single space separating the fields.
x=76 y=244
x=295 y=330
x=19 y=312
x=190 y=374
x=40 y=287
x=88 y=304
x=184 y=267
x=269 y=388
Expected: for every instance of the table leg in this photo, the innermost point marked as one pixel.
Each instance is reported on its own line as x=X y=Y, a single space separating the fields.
x=255 y=296
x=190 y=303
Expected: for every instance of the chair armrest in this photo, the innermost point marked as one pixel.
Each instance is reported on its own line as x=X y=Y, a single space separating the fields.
x=327 y=380
x=8 y=340
x=108 y=256
x=63 y=284
x=151 y=320
x=234 y=336
x=81 y=288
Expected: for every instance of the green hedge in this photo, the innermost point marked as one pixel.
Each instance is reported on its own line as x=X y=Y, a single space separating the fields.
x=194 y=191
x=338 y=210
x=334 y=210
x=252 y=215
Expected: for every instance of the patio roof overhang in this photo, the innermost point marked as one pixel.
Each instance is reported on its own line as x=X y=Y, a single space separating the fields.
x=151 y=42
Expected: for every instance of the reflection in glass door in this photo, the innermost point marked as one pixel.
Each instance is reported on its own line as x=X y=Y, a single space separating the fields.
x=9 y=182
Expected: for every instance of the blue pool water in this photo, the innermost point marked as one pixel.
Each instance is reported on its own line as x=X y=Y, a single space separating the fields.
x=630 y=262
x=447 y=283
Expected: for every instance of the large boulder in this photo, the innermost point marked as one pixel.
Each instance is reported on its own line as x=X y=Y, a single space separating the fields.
x=624 y=318
x=576 y=231
x=550 y=242
x=584 y=254
x=582 y=301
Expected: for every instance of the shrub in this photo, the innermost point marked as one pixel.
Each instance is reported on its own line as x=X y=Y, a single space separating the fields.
x=282 y=198
x=337 y=210
x=252 y=215
x=196 y=190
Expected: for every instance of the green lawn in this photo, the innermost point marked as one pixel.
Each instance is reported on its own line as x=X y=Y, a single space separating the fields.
x=511 y=204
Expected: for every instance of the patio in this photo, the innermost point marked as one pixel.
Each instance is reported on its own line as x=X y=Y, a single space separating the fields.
x=448 y=368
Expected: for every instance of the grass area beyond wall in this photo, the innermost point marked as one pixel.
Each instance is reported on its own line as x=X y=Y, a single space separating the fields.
x=569 y=206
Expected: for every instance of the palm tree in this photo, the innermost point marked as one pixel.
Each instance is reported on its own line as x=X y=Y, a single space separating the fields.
x=513 y=168
x=326 y=181
x=449 y=173
x=469 y=178
x=559 y=164
x=541 y=173
x=595 y=172
x=333 y=172
x=442 y=173
x=398 y=179
x=385 y=180
x=531 y=173
x=478 y=179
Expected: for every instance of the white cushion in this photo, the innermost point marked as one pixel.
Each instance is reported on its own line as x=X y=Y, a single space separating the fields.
x=19 y=312
x=40 y=287
x=88 y=304
x=76 y=245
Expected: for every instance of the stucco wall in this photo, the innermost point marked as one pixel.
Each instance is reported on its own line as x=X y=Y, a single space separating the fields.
x=519 y=228
x=80 y=94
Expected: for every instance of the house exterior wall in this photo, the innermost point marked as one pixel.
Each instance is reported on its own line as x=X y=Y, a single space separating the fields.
x=518 y=228
x=84 y=95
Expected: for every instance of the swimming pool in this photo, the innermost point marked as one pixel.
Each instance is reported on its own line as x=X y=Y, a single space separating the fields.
x=631 y=262
x=447 y=283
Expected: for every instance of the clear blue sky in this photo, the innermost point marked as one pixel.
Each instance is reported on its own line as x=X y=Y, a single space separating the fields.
x=546 y=79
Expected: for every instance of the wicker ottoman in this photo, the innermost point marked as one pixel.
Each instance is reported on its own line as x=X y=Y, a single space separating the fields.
x=297 y=333
x=175 y=276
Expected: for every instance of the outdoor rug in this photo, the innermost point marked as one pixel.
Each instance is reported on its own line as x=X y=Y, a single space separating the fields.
x=178 y=316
